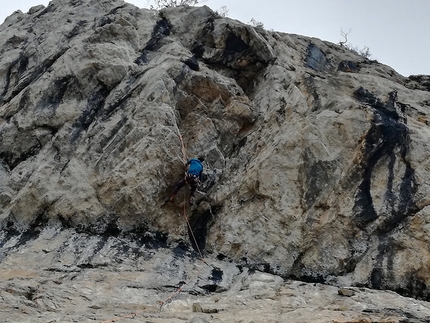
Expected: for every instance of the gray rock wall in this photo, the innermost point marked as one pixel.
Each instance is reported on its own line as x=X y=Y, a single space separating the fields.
x=317 y=162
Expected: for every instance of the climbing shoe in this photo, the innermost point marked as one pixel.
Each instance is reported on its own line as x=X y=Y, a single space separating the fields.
x=191 y=200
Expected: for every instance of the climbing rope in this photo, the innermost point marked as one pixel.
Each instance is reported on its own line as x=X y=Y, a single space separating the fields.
x=192 y=234
x=179 y=289
x=184 y=155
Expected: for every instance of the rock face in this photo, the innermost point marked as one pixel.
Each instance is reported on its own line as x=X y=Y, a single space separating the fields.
x=110 y=279
x=316 y=159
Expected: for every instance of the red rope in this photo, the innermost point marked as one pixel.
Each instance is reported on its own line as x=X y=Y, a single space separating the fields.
x=184 y=155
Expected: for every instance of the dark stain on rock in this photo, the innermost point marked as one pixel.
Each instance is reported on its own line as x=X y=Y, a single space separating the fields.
x=18 y=67
x=29 y=77
x=22 y=237
x=48 y=9
x=200 y=223
x=76 y=30
x=416 y=288
x=13 y=157
x=387 y=138
x=316 y=59
x=221 y=256
x=237 y=50
x=22 y=64
x=117 y=102
x=216 y=275
x=235 y=44
x=192 y=63
x=103 y=21
x=348 y=67
x=318 y=175
x=95 y=104
x=116 y=9
x=309 y=277
x=383 y=273
x=146 y=238
x=300 y=272
x=112 y=229
x=110 y=137
x=210 y=288
x=181 y=250
x=199 y=230
x=216 y=278
x=420 y=82
x=309 y=83
x=161 y=29
x=58 y=89
x=204 y=39
x=240 y=144
x=239 y=59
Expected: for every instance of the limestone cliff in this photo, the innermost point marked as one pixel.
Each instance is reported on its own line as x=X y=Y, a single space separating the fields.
x=317 y=159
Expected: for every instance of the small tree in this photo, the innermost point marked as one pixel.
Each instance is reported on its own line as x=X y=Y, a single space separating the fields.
x=159 y=4
x=345 y=36
x=364 y=52
x=256 y=24
x=223 y=11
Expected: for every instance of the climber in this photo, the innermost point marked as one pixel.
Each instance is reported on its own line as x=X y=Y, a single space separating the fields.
x=193 y=177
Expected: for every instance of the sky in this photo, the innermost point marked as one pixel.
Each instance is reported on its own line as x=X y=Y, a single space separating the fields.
x=397 y=32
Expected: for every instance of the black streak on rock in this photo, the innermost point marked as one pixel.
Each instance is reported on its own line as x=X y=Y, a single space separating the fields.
x=55 y=93
x=14 y=157
x=161 y=30
x=30 y=76
x=217 y=275
x=318 y=176
x=387 y=135
x=216 y=278
x=48 y=9
x=235 y=44
x=76 y=30
x=383 y=273
x=299 y=272
x=115 y=10
x=377 y=279
x=19 y=65
x=103 y=21
x=348 y=67
x=416 y=288
x=192 y=63
x=22 y=237
x=311 y=86
x=94 y=104
x=422 y=82
x=316 y=59
x=200 y=223
x=205 y=39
